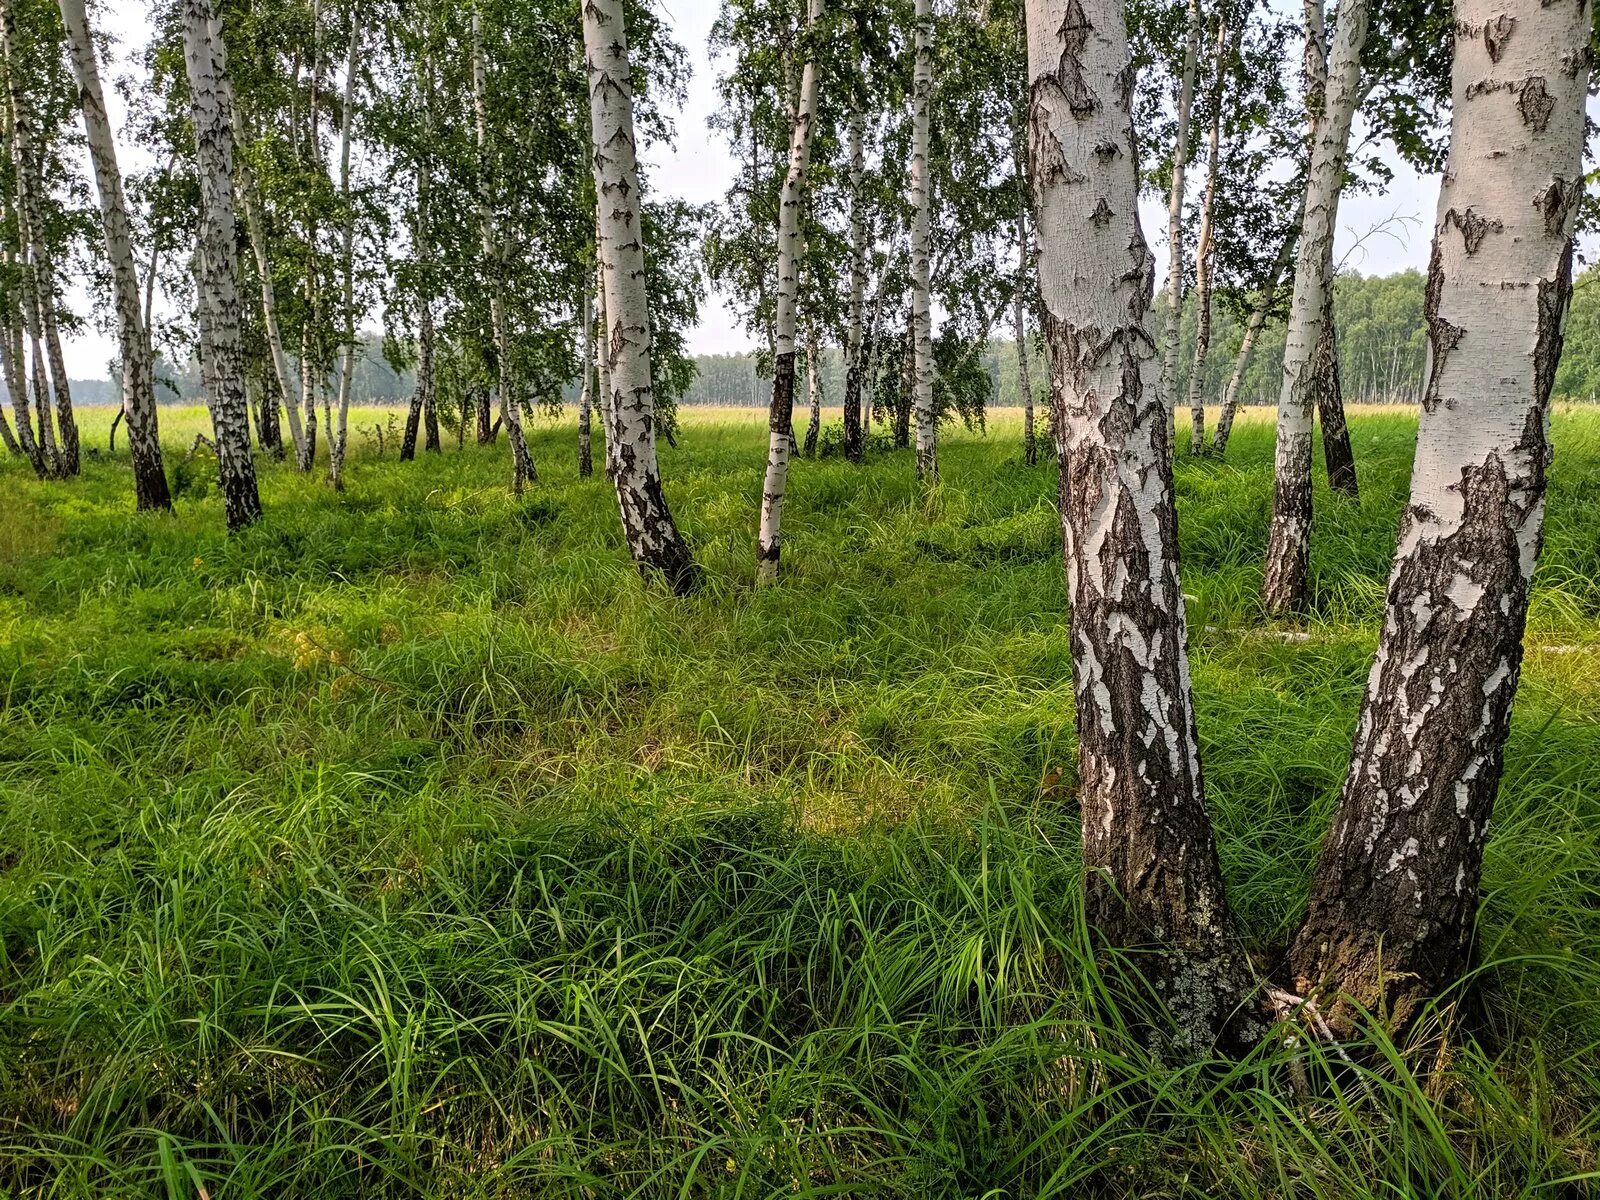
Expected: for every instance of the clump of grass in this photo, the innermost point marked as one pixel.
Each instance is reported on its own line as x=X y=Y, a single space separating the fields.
x=405 y=844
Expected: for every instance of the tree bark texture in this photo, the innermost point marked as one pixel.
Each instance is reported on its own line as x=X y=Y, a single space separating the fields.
x=1337 y=455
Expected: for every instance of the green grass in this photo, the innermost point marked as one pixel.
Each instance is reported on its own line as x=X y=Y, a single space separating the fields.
x=408 y=845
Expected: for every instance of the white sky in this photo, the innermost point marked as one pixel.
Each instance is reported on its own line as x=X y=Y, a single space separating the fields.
x=700 y=167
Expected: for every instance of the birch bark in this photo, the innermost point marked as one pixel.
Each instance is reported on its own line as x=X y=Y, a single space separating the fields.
x=1283 y=588
x=1175 y=250
x=653 y=537
x=921 y=330
x=1252 y=329
x=338 y=436
x=217 y=279
x=586 y=393
x=780 y=417
x=138 y=404
x=1390 y=917
x=854 y=432
x=1204 y=252
x=1152 y=875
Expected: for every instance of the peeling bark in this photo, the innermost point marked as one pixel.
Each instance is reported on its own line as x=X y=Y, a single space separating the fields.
x=780 y=417
x=1152 y=876
x=217 y=279
x=1390 y=917
x=653 y=537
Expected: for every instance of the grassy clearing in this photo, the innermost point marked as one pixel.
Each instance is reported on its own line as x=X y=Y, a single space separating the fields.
x=407 y=845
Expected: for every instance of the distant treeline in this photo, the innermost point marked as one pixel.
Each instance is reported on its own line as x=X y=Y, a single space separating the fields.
x=1382 y=348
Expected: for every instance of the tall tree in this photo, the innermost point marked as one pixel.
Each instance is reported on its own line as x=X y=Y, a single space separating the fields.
x=1151 y=869
x=138 y=401
x=1176 y=257
x=338 y=434
x=1335 y=82
x=781 y=411
x=1205 y=243
x=653 y=537
x=1390 y=917
x=921 y=331
x=217 y=278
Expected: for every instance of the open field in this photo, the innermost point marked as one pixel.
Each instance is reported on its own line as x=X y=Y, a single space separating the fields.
x=408 y=845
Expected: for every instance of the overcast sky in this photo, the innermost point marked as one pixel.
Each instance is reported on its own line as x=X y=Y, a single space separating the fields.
x=699 y=168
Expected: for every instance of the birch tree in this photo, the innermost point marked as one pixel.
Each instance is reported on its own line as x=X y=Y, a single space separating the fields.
x=1336 y=77
x=921 y=198
x=138 y=402
x=338 y=435
x=1151 y=871
x=1391 y=910
x=1175 y=191
x=217 y=279
x=653 y=537
x=781 y=411
x=854 y=376
x=1205 y=245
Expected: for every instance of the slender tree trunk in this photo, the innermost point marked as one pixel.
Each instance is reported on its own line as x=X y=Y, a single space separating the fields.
x=41 y=406
x=10 y=438
x=921 y=235
x=905 y=398
x=1152 y=875
x=653 y=537
x=1391 y=911
x=854 y=431
x=1337 y=455
x=780 y=424
x=813 y=391
x=1168 y=385
x=602 y=361
x=138 y=405
x=487 y=430
x=1241 y=362
x=338 y=436
x=17 y=388
x=1204 y=252
x=269 y=307
x=221 y=355
x=422 y=235
x=312 y=374
x=1284 y=584
x=586 y=393
x=1019 y=317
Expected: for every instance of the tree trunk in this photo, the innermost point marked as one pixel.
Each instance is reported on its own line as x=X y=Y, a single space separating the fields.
x=17 y=388
x=813 y=392
x=338 y=436
x=312 y=380
x=1252 y=329
x=1168 y=385
x=854 y=432
x=905 y=397
x=921 y=235
x=780 y=423
x=1389 y=922
x=41 y=405
x=1337 y=455
x=1205 y=251
x=138 y=405
x=487 y=430
x=1152 y=876
x=522 y=468
x=269 y=306
x=217 y=282
x=653 y=538
x=1019 y=311
x=10 y=438
x=1283 y=588
x=586 y=393
x=602 y=354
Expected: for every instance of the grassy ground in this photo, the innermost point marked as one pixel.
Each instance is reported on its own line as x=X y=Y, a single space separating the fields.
x=407 y=845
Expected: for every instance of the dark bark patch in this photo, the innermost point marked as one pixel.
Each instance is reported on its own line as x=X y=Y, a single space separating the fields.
x=1496 y=34
x=1474 y=227
x=1555 y=203
x=1535 y=103
x=1102 y=214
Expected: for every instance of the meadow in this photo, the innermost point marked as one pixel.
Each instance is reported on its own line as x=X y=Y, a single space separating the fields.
x=407 y=844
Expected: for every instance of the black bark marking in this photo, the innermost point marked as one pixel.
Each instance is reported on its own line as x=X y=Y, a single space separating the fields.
x=1496 y=34
x=1074 y=35
x=1555 y=203
x=1443 y=337
x=1106 y=151
x=1474 y=227
x=1535 y=103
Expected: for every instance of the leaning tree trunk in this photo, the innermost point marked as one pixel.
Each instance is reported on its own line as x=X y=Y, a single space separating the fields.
x=1337 y=454
x=586 y=393
x=1390 y=917
x=1283 y=588
x=13 y=447
x=522 y=468
x=921 y=329
x=1205 y=252
x=653 y=537
x=1175 y=259
x=854 y=433
x=338 y=436
x=1151 y=869
x=780 y=416
x=813 y=392
x=1241 y=362
x=138 y=404
x=217 y=281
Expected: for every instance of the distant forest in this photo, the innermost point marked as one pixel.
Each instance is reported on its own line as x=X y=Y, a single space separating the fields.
x=1382 y=345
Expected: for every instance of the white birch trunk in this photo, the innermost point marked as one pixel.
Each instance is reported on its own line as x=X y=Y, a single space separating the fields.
x=1019 y=317
x=217 y=280
x=1152 y=876
x=1241 y=362
x=780 y=423
x=854 y=426
x=1283 y=588
x=138 y=404
x=813 y=391
x=1391 y=910
x=1175 y=251
x=338 y=437
x=586 y=361
x=921 y=235
x=653 y=538
x=602 y=367
x=1204 y=252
